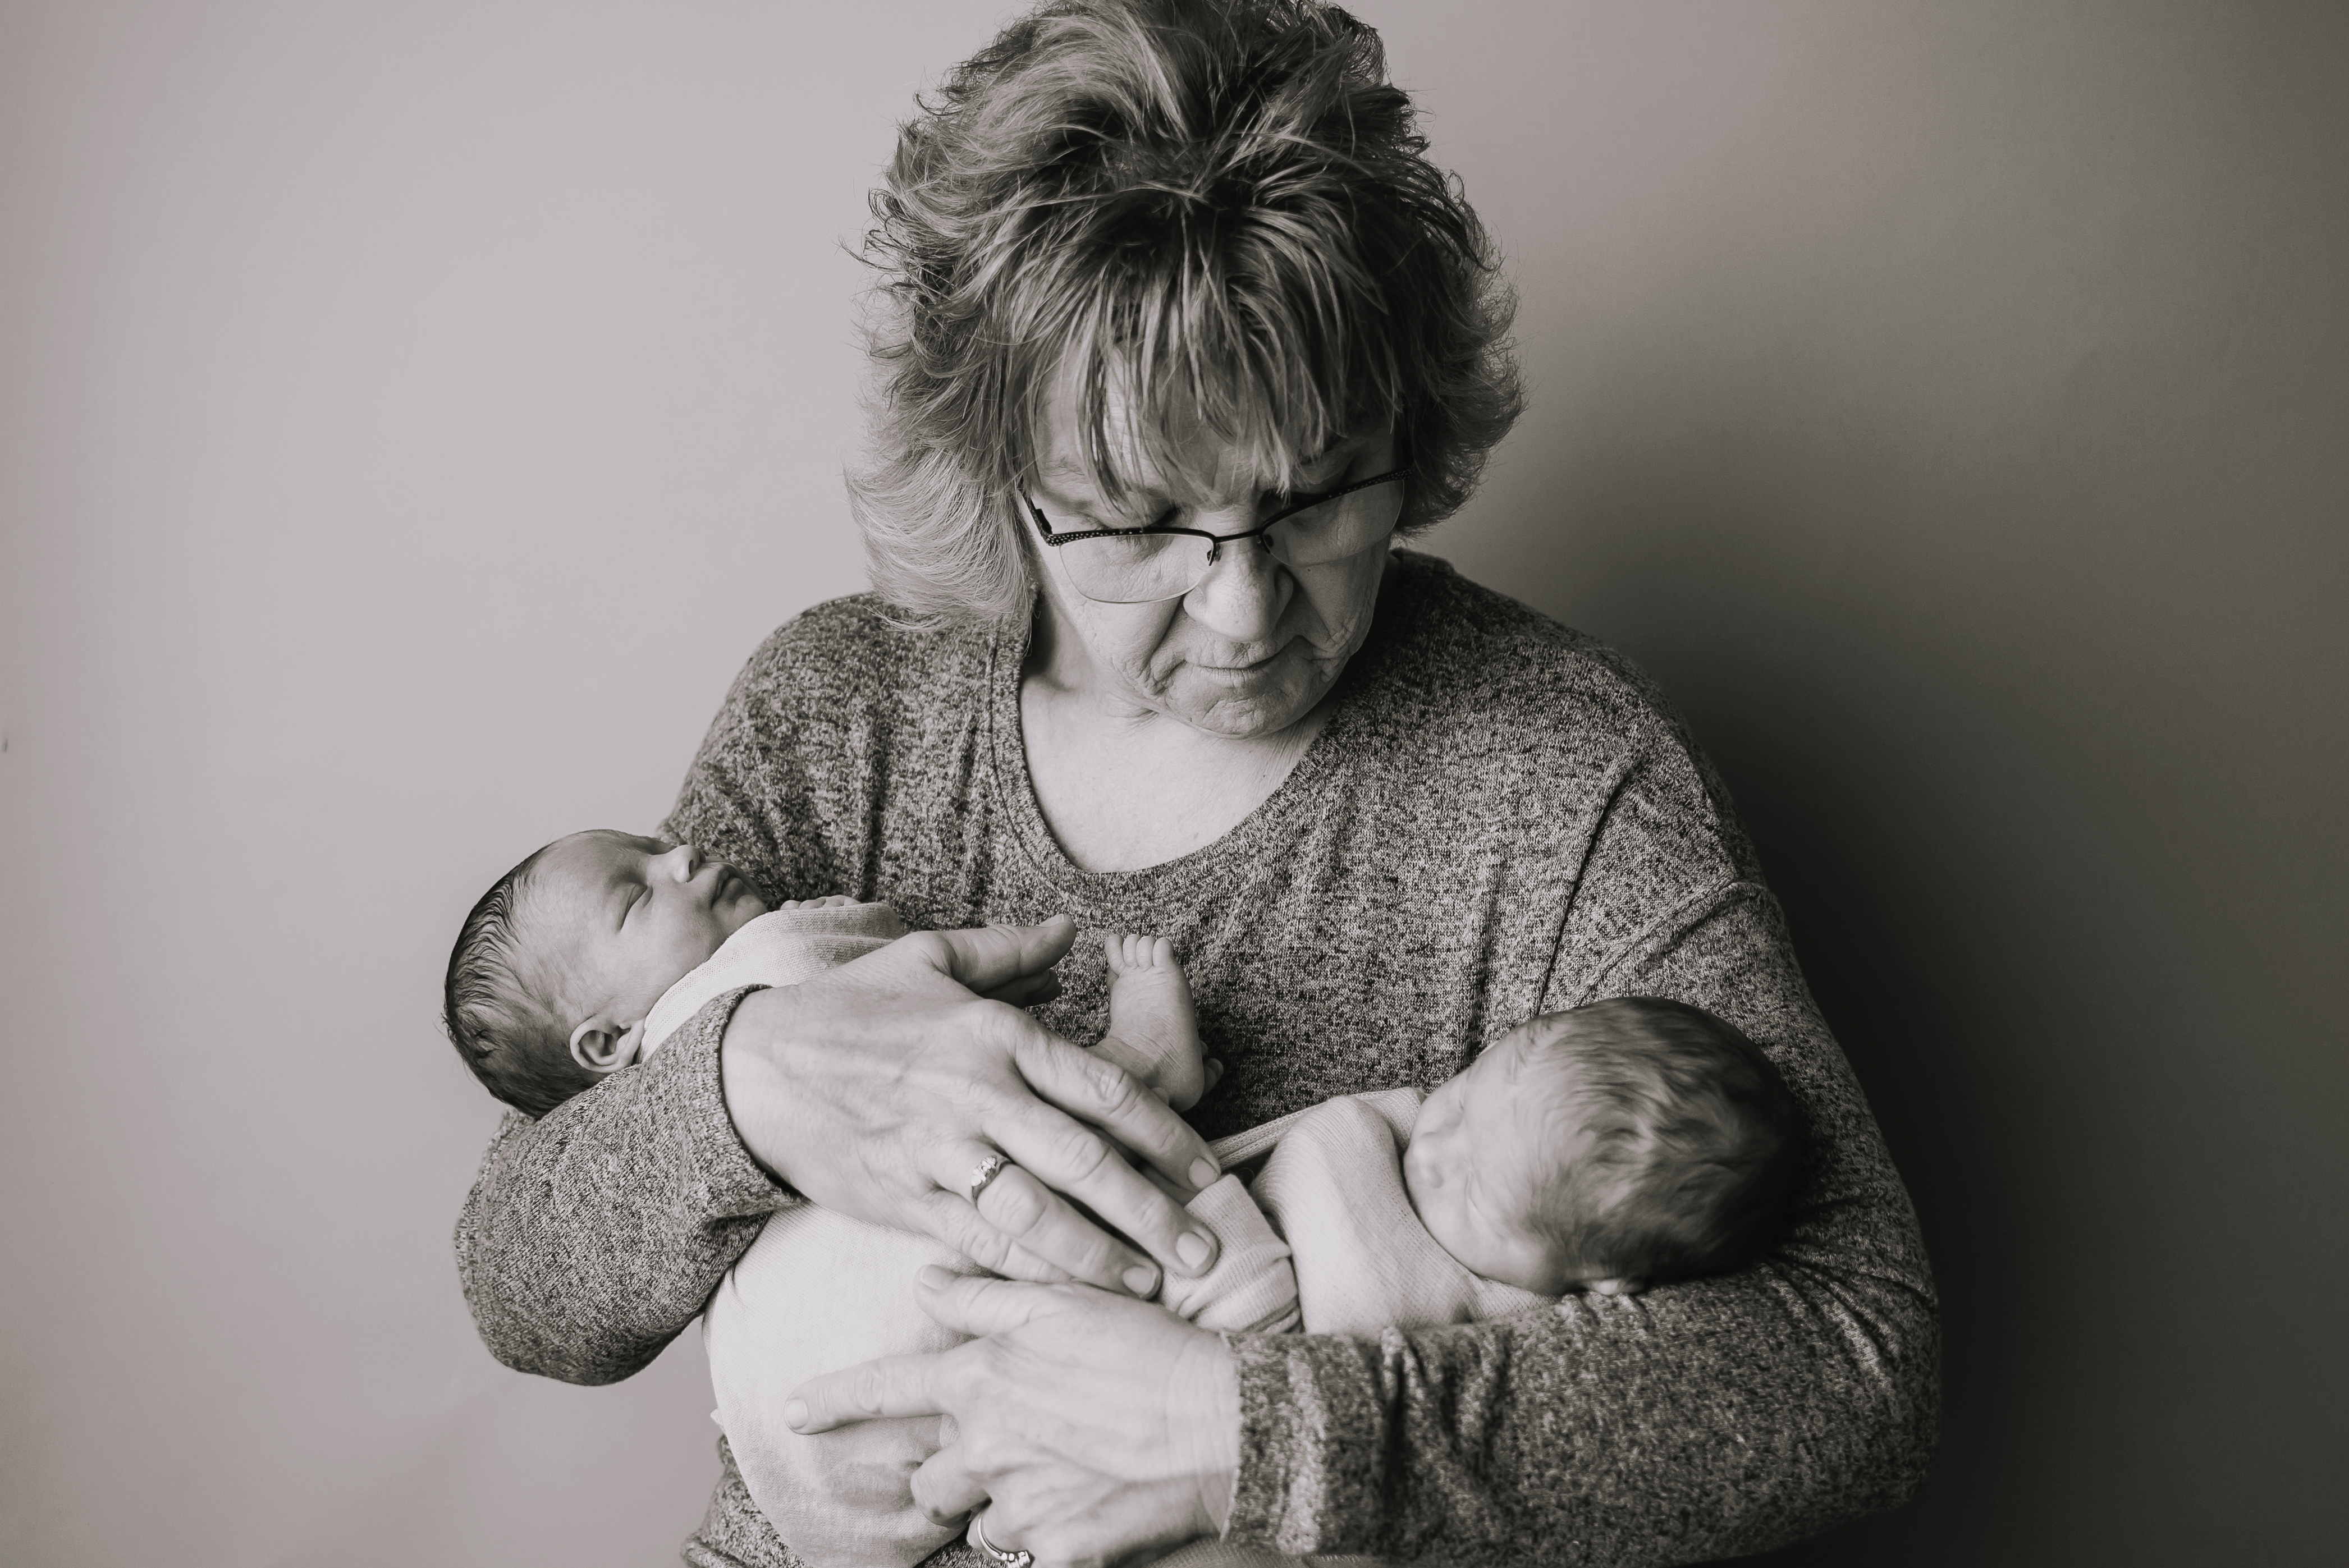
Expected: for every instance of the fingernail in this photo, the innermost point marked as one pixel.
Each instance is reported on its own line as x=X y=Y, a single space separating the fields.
x=935 y=1277
x=1204 y=1172
x=795 y=1414
x=1141 y=1279
x=1193 y=1249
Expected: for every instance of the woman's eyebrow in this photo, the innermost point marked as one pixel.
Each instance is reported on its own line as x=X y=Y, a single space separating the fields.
x=1075 y=486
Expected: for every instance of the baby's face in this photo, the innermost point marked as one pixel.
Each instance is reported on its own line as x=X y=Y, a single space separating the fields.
x=1465 y=1130
x=628 y=917
x=1466 y=1168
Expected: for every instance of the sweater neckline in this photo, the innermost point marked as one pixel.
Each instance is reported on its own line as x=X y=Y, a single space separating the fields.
x=1262 y=834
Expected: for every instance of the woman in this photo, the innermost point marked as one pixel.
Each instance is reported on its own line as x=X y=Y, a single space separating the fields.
x=1181 y=333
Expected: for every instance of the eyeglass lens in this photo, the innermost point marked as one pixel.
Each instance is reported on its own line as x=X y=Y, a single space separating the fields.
x=1142 y=567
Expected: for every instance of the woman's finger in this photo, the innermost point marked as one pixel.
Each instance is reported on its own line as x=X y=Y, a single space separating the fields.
x=1028 y=990
x=945 y=1488
x=1066 y=1156
x=972 y=1304
x=1100 y=1092
x=1040 y=1222
x=891 y=1386
x=982 y=958
x=1014 y=1214
x=949 y=1217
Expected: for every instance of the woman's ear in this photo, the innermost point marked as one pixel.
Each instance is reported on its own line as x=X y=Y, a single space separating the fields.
x=602 y=1047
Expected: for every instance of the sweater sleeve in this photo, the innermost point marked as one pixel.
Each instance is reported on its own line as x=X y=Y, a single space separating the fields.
x=593 y=1235
x=1710 y=1418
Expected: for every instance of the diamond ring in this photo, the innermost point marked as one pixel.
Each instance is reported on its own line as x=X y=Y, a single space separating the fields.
x=986 y=1170
x=1003 y=1558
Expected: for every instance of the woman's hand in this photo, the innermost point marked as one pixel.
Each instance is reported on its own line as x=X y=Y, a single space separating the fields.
x=1089 y=1428
x=878 y=1089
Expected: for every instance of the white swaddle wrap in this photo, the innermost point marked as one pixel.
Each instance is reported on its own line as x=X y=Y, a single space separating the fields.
x=780 y=947
x=1364 y=1263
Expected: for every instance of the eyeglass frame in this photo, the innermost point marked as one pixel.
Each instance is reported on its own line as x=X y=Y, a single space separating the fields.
x=1215 y=541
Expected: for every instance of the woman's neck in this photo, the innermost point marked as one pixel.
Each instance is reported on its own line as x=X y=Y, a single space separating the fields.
x=1123 y=787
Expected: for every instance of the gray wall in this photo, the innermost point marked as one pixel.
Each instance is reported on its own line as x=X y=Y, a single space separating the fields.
x=411 y=414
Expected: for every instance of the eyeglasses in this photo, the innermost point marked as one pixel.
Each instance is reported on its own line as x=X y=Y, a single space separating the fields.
x=1142 y=565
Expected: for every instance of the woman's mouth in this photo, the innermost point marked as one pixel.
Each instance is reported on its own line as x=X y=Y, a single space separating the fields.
x=1252 y=667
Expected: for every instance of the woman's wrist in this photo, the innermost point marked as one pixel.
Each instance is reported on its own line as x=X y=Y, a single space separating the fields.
x=752 y=1079
x=1212 y=1379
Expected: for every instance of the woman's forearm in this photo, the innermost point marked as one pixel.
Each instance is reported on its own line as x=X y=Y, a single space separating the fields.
x=1614 y=1430
x=595 y=1234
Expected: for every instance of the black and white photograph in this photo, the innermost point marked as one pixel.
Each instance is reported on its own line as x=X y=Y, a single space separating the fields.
x=1215 y=783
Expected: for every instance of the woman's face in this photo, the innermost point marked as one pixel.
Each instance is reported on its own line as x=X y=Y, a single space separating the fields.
x=1258 y=642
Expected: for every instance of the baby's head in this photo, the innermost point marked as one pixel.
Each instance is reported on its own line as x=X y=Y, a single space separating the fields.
x=1621 y=1144
x=558 y=964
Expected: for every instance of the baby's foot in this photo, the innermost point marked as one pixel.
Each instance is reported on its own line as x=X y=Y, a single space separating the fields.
x=829 y=900
x=1152 y=1032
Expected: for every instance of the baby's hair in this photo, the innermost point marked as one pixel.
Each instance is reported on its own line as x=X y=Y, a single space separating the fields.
x=508 y=1038
x=1688 y=1143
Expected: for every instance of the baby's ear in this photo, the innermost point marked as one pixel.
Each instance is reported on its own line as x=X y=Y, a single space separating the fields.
x=600 y=1046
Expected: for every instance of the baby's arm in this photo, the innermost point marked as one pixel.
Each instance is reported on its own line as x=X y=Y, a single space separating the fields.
x=1153 y=1031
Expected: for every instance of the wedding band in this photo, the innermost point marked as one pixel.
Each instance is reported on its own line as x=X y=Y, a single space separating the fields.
x=986 y=1170
x=1014 y=1559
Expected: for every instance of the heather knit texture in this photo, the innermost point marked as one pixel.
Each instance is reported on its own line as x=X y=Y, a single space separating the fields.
x=1500 y=818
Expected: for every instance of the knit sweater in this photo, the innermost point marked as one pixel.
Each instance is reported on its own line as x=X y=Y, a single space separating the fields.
x=1501 y=818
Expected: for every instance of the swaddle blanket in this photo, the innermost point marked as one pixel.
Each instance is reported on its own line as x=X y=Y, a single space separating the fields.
x=780 y=947
x=818 y=1292
x=1364 y=1263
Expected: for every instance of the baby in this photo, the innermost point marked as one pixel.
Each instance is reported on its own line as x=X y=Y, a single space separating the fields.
x=1620 y=1144
x=588 y=954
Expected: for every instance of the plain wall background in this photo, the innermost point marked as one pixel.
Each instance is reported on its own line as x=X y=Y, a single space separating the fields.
x=411 y=414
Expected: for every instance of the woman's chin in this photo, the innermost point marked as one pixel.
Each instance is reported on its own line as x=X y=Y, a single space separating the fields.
x=1243 y=709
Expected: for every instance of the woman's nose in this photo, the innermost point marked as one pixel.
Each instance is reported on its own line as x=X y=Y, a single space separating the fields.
x=682 y=861
x=1244 y=591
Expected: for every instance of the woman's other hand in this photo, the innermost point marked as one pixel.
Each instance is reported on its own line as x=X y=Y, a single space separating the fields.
x=1089 y=1428
x=878 y=1090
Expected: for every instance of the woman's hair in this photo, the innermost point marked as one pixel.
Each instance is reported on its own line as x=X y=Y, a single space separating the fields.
x=1189 y=214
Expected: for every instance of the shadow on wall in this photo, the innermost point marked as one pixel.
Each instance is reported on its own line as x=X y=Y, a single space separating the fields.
x=2025 y=717
x=1967 y=468
x=1750 y=641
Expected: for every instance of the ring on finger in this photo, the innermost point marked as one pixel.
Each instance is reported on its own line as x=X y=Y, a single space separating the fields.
x=986 y=1170
x=1004 y=1557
